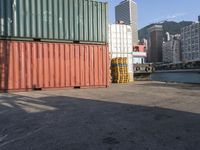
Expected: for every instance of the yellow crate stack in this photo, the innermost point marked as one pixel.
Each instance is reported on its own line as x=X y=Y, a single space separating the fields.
x=119 y=70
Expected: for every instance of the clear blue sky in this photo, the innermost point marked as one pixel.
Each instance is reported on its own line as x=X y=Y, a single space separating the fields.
x=150 y=11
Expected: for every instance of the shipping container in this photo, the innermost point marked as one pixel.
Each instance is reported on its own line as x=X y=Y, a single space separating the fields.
x=120 y=43
x=42 y=65
x=68 y=20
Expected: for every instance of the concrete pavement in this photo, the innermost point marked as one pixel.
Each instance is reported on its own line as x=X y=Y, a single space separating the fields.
x=135 y=116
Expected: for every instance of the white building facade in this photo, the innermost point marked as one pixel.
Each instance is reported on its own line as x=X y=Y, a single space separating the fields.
x=139 y=57
x=126 y=11
x=120 y=43
x=190 y=42
x=139 y=53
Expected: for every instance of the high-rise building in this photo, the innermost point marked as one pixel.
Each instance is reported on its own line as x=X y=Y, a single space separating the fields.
x=190 y=42
x=155 y=40
x=171 y=50
x=126 y=11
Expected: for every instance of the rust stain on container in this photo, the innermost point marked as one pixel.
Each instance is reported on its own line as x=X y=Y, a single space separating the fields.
x=28 y=65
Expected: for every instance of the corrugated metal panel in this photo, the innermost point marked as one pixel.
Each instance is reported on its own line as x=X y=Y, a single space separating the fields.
x=71 y=20
x=28 y=65
x=120 y=43
x=120 y=39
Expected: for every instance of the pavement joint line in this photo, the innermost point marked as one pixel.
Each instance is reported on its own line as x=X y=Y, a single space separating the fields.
x=20 y=138
x=3 y=137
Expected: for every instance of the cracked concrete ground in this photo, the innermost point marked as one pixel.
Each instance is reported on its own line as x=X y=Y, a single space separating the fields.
x=135 y=116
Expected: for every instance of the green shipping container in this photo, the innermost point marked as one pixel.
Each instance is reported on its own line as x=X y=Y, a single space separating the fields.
x=68 y=20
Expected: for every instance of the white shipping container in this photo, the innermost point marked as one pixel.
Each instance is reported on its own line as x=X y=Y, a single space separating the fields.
x=120 y=43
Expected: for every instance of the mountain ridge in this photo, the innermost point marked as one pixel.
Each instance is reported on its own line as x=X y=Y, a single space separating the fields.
x=168 y=26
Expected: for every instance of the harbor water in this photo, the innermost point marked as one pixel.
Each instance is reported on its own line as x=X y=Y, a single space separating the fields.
x=182 y=77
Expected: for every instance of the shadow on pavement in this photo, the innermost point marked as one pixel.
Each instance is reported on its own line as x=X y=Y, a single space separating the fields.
x=68 y=123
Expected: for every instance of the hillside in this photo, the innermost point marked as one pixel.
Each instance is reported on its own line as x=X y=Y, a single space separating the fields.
x=168 y=26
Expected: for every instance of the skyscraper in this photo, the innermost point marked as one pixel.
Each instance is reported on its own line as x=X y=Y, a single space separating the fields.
x=126 y=11
x=155 y=40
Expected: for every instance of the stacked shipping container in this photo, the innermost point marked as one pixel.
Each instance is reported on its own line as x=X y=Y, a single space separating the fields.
x=68 y=20
x=120 y=44
x=53 y=44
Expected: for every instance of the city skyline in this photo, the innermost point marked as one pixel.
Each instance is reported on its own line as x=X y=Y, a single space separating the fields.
x=178 y=10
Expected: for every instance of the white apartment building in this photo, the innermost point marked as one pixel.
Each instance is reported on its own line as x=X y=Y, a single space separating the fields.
x=126 y=11
x=190 y=42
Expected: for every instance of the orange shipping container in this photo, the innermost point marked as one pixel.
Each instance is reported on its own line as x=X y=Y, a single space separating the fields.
x=41 y=65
